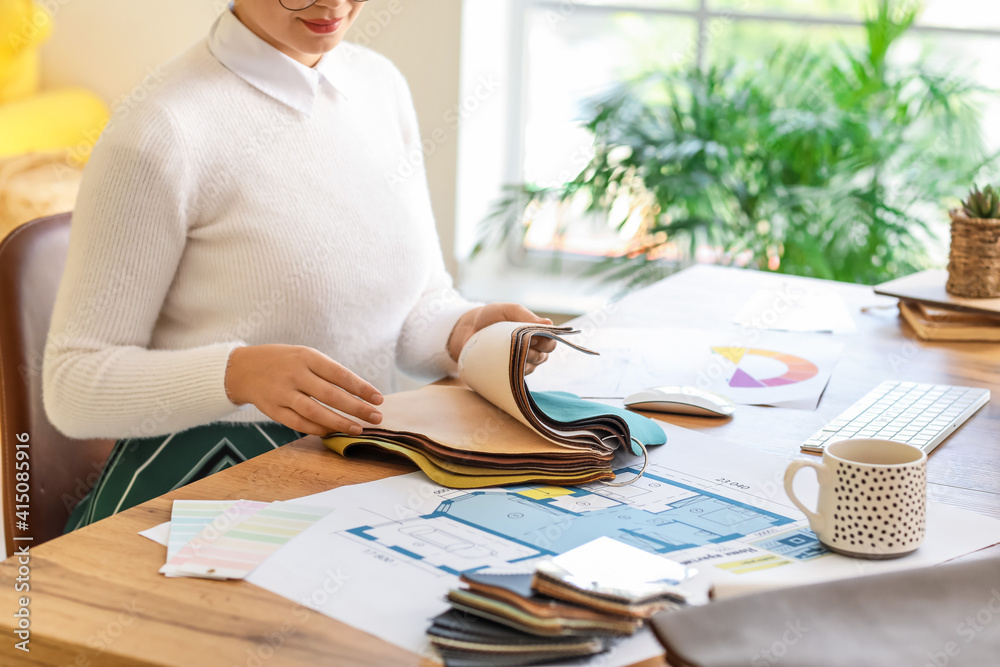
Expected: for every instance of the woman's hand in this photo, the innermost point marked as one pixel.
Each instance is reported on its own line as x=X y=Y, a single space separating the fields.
x=282 y=381
x=483 y=316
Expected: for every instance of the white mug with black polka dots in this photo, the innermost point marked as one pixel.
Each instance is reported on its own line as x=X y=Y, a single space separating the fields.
x=872 y=498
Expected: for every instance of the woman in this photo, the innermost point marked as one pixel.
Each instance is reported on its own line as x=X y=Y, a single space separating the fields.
x=244 y=254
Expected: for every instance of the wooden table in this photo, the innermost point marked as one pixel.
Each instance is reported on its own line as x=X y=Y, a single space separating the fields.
x=96 y=597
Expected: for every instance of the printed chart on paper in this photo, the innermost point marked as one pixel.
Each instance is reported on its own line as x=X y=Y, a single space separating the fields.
x=663 y=512
x=386 y=555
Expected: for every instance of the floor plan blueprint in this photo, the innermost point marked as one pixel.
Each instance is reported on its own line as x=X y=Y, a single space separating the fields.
x=388 y=552
x=471 y=530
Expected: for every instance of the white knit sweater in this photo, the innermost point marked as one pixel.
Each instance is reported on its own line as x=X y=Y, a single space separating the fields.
x=278 y=204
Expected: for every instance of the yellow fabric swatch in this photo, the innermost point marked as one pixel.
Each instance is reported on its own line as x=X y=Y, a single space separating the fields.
x=458 y=476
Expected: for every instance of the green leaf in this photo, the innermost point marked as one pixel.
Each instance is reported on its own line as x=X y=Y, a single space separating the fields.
x=838 y=159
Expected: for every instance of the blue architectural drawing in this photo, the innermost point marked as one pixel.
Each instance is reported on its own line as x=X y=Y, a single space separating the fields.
x=800 y=544
x=476 y=529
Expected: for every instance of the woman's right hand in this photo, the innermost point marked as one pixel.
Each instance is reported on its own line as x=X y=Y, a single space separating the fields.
x=282 y=381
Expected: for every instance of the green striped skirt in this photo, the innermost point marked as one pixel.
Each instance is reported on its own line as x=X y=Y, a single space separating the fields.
x=140 y=469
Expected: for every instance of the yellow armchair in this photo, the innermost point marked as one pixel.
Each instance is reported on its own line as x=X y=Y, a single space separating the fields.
x=45 y=137
x=25 y=26
x=30 y=121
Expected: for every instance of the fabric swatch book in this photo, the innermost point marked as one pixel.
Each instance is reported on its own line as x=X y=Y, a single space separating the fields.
x=615 y=578
x=508 y=598
x=602 y=592
x=465 y=640
x=496 y=431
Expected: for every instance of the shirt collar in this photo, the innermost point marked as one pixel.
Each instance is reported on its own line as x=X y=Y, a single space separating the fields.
x=272 y=72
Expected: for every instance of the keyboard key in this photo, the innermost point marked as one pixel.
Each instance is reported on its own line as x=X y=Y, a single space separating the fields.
x=918 y=413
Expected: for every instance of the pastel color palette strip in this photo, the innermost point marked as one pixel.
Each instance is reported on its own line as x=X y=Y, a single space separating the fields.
x=212 y=528
x=188 y=517
x=236 y=552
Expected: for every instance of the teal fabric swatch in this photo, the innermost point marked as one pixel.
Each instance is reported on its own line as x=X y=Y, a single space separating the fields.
x=562 y=406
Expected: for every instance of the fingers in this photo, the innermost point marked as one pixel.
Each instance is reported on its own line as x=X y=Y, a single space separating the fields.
x=335 y=397
x=536 y=358
x=312 y=412
x=542 y=344
x=295 y=421
x=329 y=370
x=515 y=312
x=324 y=381
x=529 y=368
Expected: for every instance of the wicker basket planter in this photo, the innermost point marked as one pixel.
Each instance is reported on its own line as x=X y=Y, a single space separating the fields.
x=974 y=262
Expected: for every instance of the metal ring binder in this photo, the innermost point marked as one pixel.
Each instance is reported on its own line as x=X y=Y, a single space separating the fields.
x=645 y=462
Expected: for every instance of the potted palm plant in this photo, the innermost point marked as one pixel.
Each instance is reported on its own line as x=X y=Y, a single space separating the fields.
x=820 y=162
x=974 y=260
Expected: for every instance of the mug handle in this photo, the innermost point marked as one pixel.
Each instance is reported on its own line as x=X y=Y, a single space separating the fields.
x=816 y=521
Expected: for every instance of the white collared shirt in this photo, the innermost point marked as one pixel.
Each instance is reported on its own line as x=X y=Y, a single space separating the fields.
x=272 y=72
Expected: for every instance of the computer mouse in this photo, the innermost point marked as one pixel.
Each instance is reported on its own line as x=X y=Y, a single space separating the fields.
x=681 y=401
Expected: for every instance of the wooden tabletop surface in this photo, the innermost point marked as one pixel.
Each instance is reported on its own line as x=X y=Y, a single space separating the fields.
x=96 y=597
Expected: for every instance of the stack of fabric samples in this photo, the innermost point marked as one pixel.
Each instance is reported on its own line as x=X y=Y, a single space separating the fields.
x=558 y=611
x=467 y=640
x=650 y=584
x=496 y=432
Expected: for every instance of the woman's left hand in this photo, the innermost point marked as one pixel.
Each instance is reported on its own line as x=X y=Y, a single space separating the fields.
x=483 y=316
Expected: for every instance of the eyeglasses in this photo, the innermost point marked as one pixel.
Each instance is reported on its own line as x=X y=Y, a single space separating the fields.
x=299 y=5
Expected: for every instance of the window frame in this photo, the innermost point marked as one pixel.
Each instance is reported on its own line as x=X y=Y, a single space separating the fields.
x=484 y=166
x=702 y=13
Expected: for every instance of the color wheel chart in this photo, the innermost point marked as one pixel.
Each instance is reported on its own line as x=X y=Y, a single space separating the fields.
x=755 y=367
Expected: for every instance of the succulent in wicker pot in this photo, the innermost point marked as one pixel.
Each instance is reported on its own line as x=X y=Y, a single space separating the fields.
x=974 y=261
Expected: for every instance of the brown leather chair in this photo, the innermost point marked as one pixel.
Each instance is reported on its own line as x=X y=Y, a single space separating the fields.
x=60 y=471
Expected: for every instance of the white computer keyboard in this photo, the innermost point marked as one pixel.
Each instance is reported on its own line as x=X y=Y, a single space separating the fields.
x=918 y=414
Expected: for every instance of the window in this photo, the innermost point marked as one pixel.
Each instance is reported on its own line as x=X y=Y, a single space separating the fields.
x=553 y=55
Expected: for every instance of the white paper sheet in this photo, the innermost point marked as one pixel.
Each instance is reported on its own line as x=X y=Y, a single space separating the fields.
x=956 y=532
x=388 y=552
x=755 y=368
x=797 y=308
x=159 y=533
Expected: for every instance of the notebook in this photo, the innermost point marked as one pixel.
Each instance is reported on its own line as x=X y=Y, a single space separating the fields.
x=932 y=323
x=928 y=287
x=497 y=432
